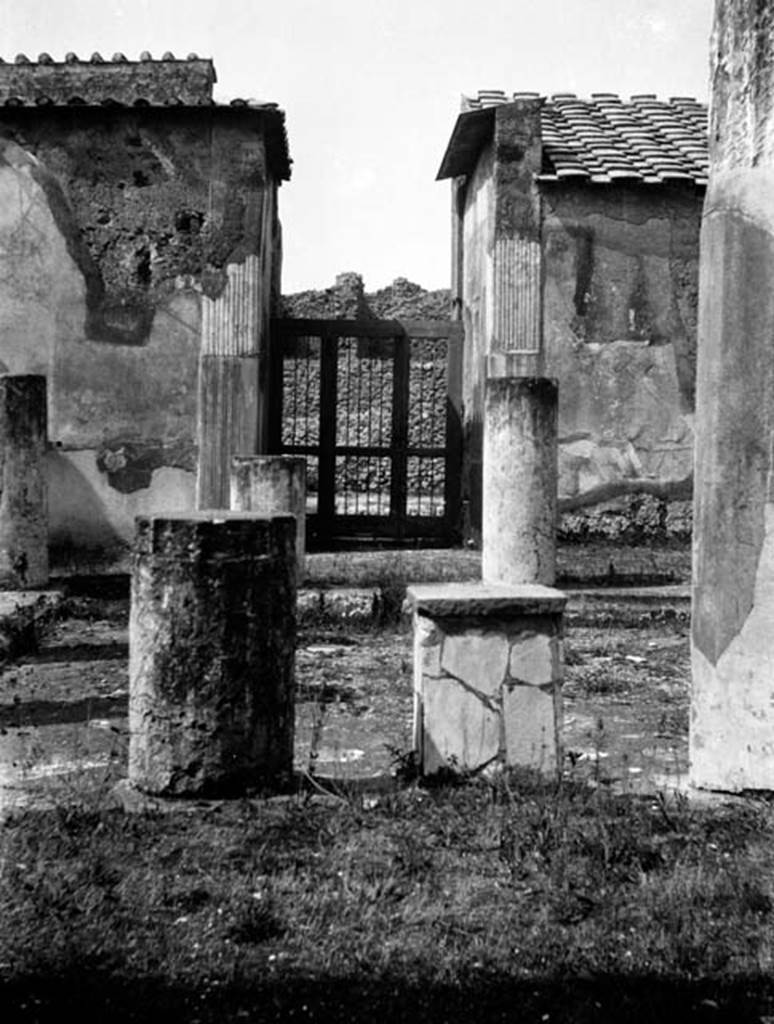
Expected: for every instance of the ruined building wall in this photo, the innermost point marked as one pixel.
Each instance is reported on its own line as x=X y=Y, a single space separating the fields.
x=119 y=229
x=620 y=303
x=619 y=289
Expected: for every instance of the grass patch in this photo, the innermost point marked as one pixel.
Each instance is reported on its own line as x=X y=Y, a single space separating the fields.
x=425 y=904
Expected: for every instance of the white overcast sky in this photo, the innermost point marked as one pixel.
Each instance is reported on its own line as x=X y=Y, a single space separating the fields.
x=371 y=89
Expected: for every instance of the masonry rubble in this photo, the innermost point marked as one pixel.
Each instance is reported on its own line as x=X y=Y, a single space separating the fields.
x=732 y=644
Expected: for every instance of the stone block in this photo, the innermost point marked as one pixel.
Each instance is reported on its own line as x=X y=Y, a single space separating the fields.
x=352 y=603
x=459 y=729
x=534 y=658
x=531 y=725
x=487 y=676
x=427 y=649
x=479 y=657
x=486 y=600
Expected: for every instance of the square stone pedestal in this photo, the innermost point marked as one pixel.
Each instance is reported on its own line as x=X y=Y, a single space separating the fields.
x=487 y=675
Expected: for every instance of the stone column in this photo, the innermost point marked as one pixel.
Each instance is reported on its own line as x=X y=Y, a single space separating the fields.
x=732 y=713
x=517 y=257
x=493 y=159
x=233 y=362
x=211 y=654
x=271 y=485
x=229 y=391
x=23 y=494
x=520 y=469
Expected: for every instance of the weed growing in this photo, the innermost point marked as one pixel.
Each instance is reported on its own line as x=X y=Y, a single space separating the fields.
x=486 y=889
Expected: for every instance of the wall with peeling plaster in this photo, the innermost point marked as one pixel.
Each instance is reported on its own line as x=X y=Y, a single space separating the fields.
x=116 y=226
x=619 y=293
x=620 y=304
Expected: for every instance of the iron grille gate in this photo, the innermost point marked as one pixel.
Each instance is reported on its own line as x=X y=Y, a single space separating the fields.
x=374 y=407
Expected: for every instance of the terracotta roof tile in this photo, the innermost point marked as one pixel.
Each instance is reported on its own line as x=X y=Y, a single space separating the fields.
x=117 y=82
x=607 y=138
x=98 y=81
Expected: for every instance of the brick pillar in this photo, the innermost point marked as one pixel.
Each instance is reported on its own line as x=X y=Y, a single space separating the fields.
x=732 y=716
x=211 y=654
x=271 y=485
x=23 y=494
x=520 y=469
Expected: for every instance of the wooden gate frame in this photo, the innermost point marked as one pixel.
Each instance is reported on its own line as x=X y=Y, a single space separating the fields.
x=326 y=527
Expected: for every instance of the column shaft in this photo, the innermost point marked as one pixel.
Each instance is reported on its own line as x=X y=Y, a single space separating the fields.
x=271 y=485
x=519 y=522
x=211 y=653
x=732 y=654
x=23 y=494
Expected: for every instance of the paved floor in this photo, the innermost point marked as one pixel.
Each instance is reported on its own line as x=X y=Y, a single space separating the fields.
x=63 y=726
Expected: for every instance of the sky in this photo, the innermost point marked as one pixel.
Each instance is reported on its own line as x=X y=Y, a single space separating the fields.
x=371 y=91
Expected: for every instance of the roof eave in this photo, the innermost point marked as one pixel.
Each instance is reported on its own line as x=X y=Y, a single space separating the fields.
x=472 y=131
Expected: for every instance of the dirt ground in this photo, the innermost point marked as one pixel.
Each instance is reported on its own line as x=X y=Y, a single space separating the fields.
x=63 y=709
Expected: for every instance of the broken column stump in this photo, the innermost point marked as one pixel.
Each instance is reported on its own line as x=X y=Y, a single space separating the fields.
x=23 y=495
x=270 y=485
x=519 y=481
x=487 y=676
x=211 y=654
x=488 y=664
x=732 y=642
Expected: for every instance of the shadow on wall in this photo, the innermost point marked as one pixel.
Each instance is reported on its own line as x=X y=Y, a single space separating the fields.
x=79 y=526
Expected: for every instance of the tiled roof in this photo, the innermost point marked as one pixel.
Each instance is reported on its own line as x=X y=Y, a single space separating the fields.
x=118 y=82
x=602 y=139
x=100 y=82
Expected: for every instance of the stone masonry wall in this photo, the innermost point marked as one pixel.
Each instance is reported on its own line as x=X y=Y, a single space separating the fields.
x=488 y=692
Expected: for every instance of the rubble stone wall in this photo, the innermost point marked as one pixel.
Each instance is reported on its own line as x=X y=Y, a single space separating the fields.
x=487 y=690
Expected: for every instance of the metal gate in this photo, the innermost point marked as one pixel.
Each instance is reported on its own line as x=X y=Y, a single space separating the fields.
x=374 y=406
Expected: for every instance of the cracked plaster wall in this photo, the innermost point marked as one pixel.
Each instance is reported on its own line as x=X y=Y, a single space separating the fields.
x=113 y=225
x=621 y=286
